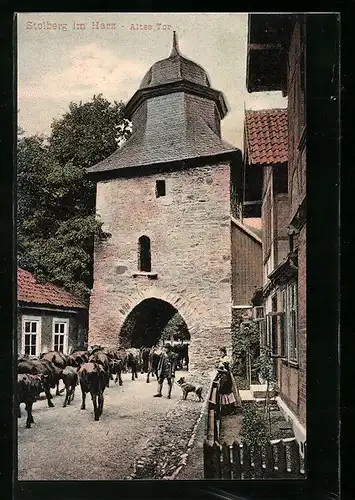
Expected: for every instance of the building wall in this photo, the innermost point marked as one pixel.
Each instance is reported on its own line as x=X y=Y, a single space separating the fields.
x=76 y=333
x=246 y=266
x=296 y=119
x=302 y=323
x=189 y=229
x=297 y=189
x=281 y=241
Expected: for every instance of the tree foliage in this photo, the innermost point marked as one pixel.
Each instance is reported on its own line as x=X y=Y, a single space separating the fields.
x=245 y=342
x=56 y=221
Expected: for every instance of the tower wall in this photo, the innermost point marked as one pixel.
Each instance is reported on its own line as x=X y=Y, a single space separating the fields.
x=189 y=229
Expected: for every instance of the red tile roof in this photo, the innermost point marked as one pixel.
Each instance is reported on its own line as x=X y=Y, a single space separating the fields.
x=267 y=136
x=31 y=291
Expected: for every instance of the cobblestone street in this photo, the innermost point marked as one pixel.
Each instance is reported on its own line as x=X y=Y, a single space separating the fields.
x=67 y=444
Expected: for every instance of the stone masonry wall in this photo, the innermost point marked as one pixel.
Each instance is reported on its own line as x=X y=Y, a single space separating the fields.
x=189 y=229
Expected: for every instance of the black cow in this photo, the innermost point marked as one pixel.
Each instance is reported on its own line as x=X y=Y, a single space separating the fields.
x=122 y=355
x=60 y=360
x=93 y=379
x=133 y=360
x=153 y=362
x=182 y=352
x=145 y=352
x=79 y=358
x=70 y=379
x=52 y=374
x=116 y=369
x=29 y=388
x=102 y=359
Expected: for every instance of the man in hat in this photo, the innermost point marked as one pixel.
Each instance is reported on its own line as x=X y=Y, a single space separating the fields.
x=166 y=369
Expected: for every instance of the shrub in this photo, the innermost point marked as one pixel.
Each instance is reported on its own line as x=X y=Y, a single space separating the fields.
x=254 y=431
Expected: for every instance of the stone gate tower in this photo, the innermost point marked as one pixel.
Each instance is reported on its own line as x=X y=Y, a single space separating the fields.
x=165 y=198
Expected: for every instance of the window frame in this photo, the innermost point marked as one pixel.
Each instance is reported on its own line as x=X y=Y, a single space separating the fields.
x=290 y=330
x=162 y=182
x=32 y=319
x=66 y=333
x=292 y=321
x=140 y=266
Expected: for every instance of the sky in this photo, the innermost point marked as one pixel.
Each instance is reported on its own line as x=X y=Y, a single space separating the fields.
x=64 y=57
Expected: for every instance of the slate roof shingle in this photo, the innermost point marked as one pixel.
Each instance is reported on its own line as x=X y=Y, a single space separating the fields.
x=267 y=136
x=175 y=67
x=31 y=291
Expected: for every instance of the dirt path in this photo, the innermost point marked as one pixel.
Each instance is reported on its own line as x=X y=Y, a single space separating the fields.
x=67 y=444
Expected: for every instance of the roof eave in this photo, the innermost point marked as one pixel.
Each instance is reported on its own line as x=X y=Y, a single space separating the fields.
x=246 y=230
x=178 y=86
x=38 y=305
x=96 y=175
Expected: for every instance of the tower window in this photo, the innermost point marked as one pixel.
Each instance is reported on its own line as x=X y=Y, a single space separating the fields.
x=144 y=257
x=160 y=188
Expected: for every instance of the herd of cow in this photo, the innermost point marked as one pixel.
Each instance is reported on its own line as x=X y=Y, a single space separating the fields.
x=92 y=370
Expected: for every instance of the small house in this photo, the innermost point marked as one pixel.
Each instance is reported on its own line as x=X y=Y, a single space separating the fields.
x=49 y=318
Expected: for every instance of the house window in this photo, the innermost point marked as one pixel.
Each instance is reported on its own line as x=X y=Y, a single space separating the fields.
x=292 y=322
x=60 y=335
x=283 y=327
x=160 y=188
x=31 y=335
x=144 y=256
x=289 y=330
x=258 y=312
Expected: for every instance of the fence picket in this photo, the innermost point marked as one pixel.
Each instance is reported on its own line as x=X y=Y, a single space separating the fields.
x=303 y=460
x=269 y=470
x=216 y=460
x=294 y=451
x=209 y=473
x=281 y=459
x=236 y=467
x=226 y=465
x=257 y=461
x=211 y=425
x=246 y=466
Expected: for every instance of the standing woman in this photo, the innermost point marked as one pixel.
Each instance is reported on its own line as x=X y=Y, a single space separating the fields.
x=230 y=399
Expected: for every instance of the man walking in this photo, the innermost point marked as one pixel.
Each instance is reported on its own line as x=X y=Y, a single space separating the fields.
x=166 y=370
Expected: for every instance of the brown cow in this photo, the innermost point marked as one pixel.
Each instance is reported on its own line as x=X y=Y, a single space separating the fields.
x=102 y=359
x=70 y=379
x=29 y=388
x=79 y=357
x=93 y=378
x=51 y=373
x=60 y=360
x=133 y=361
x=153 y=362
x=145 y=352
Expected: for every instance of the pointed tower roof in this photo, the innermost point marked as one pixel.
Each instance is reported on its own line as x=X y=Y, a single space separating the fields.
x=174 y=68
x=175 y=118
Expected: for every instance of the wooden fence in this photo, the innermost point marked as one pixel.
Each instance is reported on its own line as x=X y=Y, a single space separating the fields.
x=280 y=459
x=213 y=423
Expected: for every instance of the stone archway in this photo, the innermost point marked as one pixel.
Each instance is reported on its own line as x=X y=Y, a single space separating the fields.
x=151 y=321
x=182 y=305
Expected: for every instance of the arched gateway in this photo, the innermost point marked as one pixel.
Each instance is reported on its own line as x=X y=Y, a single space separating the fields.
x=165 y=195
x=150 y=322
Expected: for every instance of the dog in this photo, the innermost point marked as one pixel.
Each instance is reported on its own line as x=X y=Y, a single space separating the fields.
x=186 y=388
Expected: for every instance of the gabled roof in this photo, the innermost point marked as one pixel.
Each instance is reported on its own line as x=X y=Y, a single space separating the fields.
x=266 y=136
x=29 y=290
x=250 y=231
